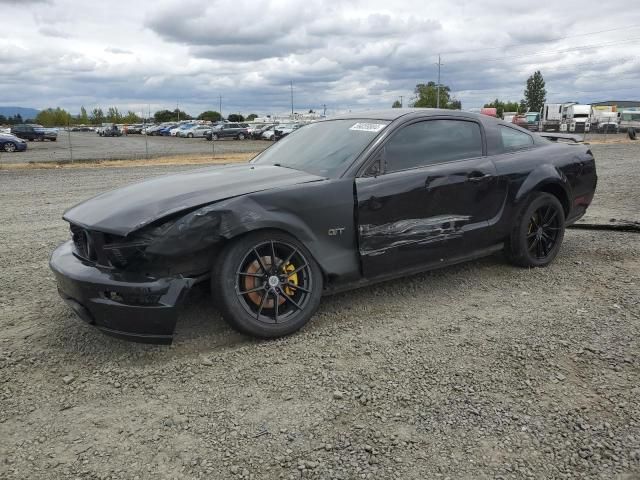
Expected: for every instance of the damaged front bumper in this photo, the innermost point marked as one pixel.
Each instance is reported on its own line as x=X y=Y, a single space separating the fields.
x=131 y=306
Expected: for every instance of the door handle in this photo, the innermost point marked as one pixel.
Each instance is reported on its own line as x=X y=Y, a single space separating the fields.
x=478 y=176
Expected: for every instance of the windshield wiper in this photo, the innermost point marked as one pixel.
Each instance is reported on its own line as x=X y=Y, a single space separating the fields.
x=284 y=166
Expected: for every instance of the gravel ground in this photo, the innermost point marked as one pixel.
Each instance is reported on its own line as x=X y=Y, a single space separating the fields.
x=481 y=370
x=90 y=146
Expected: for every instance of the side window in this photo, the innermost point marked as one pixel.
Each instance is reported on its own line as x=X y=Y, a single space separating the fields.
x=513 y=139
x=432 y=141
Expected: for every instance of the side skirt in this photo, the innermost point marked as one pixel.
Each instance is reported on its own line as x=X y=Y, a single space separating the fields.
x=364 y=282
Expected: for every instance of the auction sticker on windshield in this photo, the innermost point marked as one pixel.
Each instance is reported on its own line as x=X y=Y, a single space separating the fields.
x=368 y=127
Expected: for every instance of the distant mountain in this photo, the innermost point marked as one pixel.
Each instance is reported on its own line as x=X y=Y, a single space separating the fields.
x=23 y=112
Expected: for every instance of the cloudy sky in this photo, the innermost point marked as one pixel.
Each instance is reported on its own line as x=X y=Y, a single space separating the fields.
x=353 y=55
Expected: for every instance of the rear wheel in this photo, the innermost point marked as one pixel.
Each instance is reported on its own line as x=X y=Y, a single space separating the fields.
x=267 y=284
x=190 y=135
x=241 y=136
x=214 y=136
x=537 y=233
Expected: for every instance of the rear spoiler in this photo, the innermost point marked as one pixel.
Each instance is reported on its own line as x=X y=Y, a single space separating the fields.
x=567 y=137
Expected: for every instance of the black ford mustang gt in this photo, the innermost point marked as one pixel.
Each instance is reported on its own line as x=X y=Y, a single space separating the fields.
x=337 y=204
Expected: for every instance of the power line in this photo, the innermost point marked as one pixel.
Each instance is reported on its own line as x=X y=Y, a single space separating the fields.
x=550 y=52
x=453 y=52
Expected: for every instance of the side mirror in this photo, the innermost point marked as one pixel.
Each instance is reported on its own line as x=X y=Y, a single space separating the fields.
x=375 y=168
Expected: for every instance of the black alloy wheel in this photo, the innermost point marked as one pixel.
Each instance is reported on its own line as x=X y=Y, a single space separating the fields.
x=543 y=231
x=537 y=232
x=267 y=284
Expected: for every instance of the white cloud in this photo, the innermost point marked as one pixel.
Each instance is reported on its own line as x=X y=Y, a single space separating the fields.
x=347 y=55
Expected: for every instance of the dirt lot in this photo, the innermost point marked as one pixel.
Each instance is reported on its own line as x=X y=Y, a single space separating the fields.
x=477 y=371
x=90 y=146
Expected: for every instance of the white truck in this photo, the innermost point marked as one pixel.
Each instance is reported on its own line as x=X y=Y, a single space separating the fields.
x=604 y=119
x=551 y=117
x=575 y=118
x=629 y=118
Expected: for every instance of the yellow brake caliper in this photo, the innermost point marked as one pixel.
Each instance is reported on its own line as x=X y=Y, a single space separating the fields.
x=293 y=279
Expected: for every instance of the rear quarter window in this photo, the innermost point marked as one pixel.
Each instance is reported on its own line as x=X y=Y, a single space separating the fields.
x=513 y=139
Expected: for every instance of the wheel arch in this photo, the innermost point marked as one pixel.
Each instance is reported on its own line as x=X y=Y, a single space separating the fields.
x=546 y=179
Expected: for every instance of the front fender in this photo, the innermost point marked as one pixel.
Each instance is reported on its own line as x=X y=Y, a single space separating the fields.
x=313 y=213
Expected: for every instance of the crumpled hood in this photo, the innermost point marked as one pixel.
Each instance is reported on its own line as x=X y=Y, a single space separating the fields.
x=130 y=208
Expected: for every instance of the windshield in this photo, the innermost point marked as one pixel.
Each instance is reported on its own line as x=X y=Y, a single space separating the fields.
x=323 y=148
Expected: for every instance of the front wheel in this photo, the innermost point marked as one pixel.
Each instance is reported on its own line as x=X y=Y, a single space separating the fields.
x=9 y=147
x=537 y=233
x=241 y=136
x=267 y=284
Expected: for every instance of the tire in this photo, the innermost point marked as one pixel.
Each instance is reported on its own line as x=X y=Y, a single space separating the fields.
x=53 y=139
x=190 y=135
x=9 y=147
x=241 y=136
x=632 y=133
x=214 y=136
x=253 y=298
x=537 y=232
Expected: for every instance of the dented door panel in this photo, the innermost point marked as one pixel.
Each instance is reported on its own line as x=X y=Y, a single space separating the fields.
x=426 y=214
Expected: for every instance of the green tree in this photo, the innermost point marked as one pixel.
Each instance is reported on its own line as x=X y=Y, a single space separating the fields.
x=113 y=115
x=83 y=118
x=523 y=106
x=163 y=116
x=535 y=94
x=396 y=104
x=131 y=117
x=251 y=117
x=502 y=107
x=53 y=117
x=97 y=116
x=235 y=117
x=427 y=96
x=210 y=115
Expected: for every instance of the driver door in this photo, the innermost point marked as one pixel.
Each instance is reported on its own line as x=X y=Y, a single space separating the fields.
x=432 y=199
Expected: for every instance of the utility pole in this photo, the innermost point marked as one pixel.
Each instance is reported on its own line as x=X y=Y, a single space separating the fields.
x=291 y=99
x=401 y=101
x=438 y=94
x=324 y=110
x=178 y=111
x=220 y=99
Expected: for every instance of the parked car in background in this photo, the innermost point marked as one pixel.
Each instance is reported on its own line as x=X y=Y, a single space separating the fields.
x=183 y=126
x=284 y=130
x=133 y=129
x=256 y=133
x=151 y=129
x=11 y=143
x=269 y=133
x=196 y=131
x=490 y=111
x=228 y=130
x=51 y=134
x=386 y=194
x=533 y=121
x=28 y=131
x=112 y=131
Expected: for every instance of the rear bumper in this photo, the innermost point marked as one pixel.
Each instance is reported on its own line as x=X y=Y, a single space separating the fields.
x=125 y=305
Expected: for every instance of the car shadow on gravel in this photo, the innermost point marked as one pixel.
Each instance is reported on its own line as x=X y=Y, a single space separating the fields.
x=201 y=328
